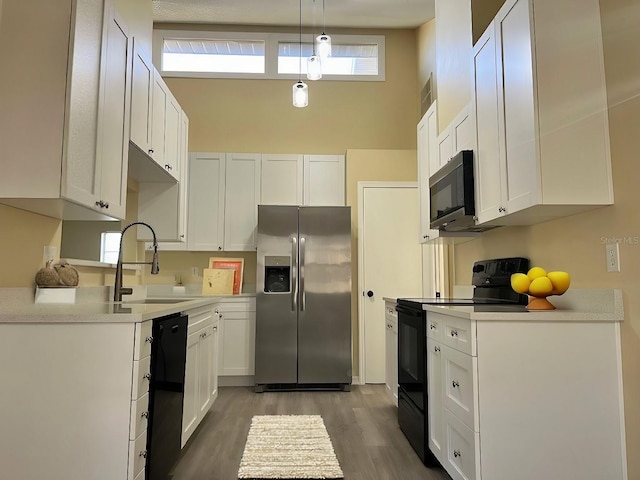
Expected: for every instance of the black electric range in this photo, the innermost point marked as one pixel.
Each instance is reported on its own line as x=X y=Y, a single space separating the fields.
x=491 y=292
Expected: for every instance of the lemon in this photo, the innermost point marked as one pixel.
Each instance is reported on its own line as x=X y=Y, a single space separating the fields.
x=560 y=282
x=535 y=272
x=520 y=282
x=541 y=287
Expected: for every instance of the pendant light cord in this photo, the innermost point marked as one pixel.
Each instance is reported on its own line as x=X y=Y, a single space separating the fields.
x=300 y=47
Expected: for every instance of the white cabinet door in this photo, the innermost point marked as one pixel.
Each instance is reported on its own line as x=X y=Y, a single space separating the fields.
x=489 y=156
x=517 y=105
x=215 y=341
x=237 y=354
x=324 y=180
x=282 y=179
x=191 y=375
x=436 y=421
x=427 y=159
x=158 y=115
x=462 y=131
x=173 y=113
x=141 y=95
x=206 y=201
x=445 y=147
x=113 y=121
x=241 y=201
x=205 y=362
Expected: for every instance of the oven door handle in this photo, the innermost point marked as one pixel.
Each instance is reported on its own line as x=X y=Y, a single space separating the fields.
x=409 y=311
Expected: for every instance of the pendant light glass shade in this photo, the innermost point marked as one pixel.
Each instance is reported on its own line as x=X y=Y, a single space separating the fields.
x=314 y=68
x=323 y=46
x=300 y=94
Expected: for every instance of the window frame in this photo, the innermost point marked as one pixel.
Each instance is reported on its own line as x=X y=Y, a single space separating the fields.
x=272 y=41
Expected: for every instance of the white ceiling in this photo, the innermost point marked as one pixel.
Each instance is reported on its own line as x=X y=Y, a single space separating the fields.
x=338 y=13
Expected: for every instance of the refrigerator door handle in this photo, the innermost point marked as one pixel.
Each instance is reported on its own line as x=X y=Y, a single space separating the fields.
x=294 y=273
x=302 y=264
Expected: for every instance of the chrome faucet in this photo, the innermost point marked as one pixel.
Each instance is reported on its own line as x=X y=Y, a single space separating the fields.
x=118 y=289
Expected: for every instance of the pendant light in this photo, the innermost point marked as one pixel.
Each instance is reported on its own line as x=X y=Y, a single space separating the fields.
x=323 y=42
x=300 y=89
x=314 y=66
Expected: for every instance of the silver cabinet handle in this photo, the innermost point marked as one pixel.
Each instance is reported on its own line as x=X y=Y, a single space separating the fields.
x=455 y=384
x=144 y=414
x=303 y=296
x=143 y=454
x=147 y=376
x=456 y=453
x=454 y=333
x=215 y=329
x=148 y=340
x=294 y=273
x=436 y=349
x=432 y=326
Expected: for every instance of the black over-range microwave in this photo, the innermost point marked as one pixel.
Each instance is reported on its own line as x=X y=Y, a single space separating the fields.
x=452 y=195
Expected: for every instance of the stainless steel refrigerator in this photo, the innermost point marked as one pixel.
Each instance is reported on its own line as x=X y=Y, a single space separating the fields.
x=303 y=298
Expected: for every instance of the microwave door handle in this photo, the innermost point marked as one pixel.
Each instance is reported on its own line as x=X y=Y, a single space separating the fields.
x=302 y=265
x=294 y=273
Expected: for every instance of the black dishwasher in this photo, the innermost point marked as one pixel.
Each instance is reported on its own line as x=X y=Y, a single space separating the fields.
x=166 y=394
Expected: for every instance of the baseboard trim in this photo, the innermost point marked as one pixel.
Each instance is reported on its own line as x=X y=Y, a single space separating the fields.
x=236 y=381
x=355 y=381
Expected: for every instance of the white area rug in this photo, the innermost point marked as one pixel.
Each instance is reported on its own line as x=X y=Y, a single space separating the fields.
x=288 y=446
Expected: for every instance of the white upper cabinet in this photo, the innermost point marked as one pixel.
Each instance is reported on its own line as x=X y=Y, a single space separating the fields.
x=241 y=201
x=302 y=180
x=542 y=141
x=324 y=180
x=206 y=201
x=73 y=97
x=427 y=150
x=282 y=179
x=141 y=98
x=165 y=127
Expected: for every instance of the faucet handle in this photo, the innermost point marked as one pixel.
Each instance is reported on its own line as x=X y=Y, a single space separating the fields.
x=126 y=291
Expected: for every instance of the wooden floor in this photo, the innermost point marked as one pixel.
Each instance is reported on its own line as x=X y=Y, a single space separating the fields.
x=362 y=425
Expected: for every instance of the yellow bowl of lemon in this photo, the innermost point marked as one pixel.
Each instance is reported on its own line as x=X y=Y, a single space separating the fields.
x=539 y=284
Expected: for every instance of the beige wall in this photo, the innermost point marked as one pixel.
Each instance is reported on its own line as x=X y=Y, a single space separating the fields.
x=576 y=244
x=229 y=115
x=427 y=54
x=371 y=166
x=483 y=11
x=453 y=60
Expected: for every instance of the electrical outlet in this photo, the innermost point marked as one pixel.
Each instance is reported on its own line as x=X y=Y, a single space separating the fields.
x=613 y=257
x=49 y=253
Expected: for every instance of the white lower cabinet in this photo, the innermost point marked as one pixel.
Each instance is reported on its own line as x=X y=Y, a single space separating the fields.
x=81 y=406
x=238 y=336
x=201 y=373
x=516 y=398
x=391 y=350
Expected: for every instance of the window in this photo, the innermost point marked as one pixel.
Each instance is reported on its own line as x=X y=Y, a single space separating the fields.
x=264 y=55
x=110 y=246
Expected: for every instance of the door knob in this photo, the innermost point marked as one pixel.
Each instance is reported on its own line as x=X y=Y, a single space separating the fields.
x=369 y=294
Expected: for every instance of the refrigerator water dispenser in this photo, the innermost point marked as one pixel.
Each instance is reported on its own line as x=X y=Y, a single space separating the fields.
x=277 y=274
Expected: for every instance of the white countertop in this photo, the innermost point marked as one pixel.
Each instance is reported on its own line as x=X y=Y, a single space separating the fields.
x=92 y=306
x=579 y=305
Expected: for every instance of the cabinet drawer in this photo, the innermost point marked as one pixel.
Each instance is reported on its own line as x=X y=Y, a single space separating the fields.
x=137 y=455
x=141 y=377
x=458 y=333
x=434 y=326
x=199 y=318
x=248 y=304
x=139 y=416
x=462 y=456
x=143 y=339
x=459 y=385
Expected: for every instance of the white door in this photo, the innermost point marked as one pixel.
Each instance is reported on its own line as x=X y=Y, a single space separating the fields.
x=390 y=263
